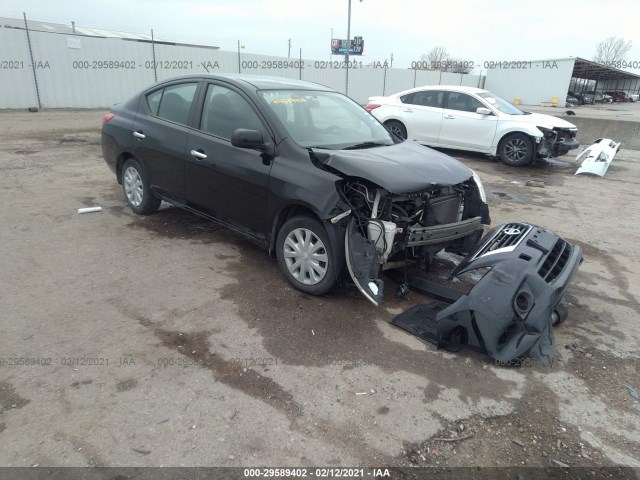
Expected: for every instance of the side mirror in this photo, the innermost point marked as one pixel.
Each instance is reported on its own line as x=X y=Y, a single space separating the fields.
x=251 y=139
x=483 y=111
x=243 y=138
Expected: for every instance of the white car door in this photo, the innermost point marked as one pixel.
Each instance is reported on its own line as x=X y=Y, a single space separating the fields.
x=462 y=127
x=421 y=112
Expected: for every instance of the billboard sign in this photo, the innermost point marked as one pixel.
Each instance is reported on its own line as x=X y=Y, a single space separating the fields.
x=339 y=46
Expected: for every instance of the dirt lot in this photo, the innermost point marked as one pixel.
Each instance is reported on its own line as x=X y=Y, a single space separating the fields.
x=199 y=353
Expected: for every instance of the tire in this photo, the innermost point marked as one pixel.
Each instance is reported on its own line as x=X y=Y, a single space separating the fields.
x=135 y=187
x=299 y=239
x=516 y=150
x=397 y=128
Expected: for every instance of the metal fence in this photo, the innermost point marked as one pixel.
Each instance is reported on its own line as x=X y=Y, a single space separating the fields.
x=53 y=70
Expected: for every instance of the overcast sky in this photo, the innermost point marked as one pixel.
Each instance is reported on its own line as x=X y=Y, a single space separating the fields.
x=471 y=30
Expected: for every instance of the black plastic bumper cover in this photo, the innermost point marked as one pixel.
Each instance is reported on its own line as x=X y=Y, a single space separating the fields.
x=509 y=313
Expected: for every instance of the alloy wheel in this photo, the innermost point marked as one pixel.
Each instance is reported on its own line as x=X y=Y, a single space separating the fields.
x=515 y=149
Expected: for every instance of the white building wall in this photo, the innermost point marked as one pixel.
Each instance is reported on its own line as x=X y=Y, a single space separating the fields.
x=539 y=82
x=75 y=71
x=17 y=87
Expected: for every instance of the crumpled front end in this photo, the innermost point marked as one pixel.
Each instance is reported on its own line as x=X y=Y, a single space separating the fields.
x=557 y=142
x=387 y=230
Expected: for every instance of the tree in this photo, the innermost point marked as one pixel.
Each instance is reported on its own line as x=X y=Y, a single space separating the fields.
x=439 y=59
x=436 y=58
x=612 y=49
x=457 y=65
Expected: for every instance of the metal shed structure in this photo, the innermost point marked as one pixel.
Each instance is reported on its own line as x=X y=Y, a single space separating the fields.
x=539 y=81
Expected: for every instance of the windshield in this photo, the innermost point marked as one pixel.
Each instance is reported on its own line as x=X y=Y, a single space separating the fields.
x=326 y=120
x=501 y=104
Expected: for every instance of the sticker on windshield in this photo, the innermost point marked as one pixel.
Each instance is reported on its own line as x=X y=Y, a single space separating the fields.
x=286 y=101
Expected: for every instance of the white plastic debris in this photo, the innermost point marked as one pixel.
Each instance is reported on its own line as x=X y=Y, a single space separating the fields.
x=89 y=209
x=596 y=158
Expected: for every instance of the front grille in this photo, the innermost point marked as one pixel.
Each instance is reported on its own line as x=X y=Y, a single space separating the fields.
x=508 y=237
x=556 y=261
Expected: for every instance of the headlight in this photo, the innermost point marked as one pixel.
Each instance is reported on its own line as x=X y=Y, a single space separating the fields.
x=547 y=132
x=476 y=178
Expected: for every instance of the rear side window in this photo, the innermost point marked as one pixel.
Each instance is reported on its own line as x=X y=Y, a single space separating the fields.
x=431 y=98
x=153 y=100
x=173 y=103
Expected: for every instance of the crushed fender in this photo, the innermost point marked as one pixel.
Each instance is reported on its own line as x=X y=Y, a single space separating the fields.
x=511 y=310
x=596 y=158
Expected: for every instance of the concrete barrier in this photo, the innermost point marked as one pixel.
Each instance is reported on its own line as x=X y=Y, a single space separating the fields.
x=619 y=122
x=589 y=129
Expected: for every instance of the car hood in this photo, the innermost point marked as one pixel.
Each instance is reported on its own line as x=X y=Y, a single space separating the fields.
x=539 y=119
x=405 y=167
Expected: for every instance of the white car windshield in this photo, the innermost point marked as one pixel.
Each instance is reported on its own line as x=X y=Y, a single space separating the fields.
x=326 y=120
x=501 y=104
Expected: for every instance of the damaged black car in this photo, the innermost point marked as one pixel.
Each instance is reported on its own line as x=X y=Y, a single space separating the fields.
x=301 y=169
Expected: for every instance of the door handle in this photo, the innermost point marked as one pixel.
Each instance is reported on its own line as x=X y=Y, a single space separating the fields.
x=139 y=134
x=198 y=154
x=449 y=117
x=408 y=110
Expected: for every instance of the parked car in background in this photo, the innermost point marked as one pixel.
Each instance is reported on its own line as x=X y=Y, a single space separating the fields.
x=587 y=98
x=301 y=169
x=618 y=95
x=600 y=97
x=577 y=96
x=633 y=97
x=468 y=118
x=571 y=102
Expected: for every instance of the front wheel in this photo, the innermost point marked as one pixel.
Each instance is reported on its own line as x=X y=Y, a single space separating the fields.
x=305 y=255
x=516 y=150
x=397 y=128
x=135 y=186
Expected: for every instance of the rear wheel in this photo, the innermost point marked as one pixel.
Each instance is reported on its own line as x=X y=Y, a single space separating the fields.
x=516 y=150
x=305 y=256
x=397 y=128
x=136 y=188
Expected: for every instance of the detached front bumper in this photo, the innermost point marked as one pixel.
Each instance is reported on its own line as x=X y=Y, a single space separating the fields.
x=512 y=307
x=510 y=311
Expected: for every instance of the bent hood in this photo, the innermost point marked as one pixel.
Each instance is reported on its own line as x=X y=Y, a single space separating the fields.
x=405 y=167
x=542 y=120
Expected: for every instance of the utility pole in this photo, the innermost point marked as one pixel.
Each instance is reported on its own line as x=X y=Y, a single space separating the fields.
x=346 y=57
x=330 y=52
x=289 y=54
x=391 y=66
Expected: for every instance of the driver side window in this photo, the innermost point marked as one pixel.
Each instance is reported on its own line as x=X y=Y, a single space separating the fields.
x=225 y=111
x=463 y=102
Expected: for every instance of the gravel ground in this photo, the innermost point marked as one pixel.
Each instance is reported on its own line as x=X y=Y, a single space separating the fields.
x=164 y=340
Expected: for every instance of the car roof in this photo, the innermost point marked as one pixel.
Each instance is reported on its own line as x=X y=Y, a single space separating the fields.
x=449 y=88
x=259 y=82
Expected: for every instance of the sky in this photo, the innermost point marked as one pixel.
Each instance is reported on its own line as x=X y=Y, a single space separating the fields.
x=470 y=30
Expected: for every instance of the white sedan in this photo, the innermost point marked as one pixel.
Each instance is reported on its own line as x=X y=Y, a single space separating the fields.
x=473 y=119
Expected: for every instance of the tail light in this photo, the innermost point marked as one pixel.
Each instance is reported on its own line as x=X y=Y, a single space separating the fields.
x=372 y=106
x=106 y=118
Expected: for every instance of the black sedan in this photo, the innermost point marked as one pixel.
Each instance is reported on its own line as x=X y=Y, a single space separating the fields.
x=298 y=167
